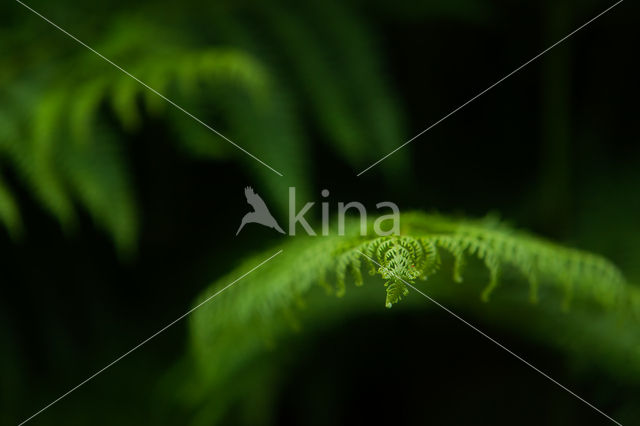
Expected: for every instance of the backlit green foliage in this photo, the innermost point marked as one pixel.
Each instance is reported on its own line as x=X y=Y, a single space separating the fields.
x=433 y=253
x=417 y=255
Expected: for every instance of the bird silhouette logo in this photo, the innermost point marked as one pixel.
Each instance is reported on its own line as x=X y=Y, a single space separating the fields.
x=260 y=213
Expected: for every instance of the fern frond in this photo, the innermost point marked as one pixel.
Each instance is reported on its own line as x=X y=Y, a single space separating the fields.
x=253 y=315
x=229 y=70
x=403 y=259
x=396 y=290
x=536 y=259
x=62 y=147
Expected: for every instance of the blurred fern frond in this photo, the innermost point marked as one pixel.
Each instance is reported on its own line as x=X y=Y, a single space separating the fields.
x=59 y=136
x=9 y=214
x=220 y=65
